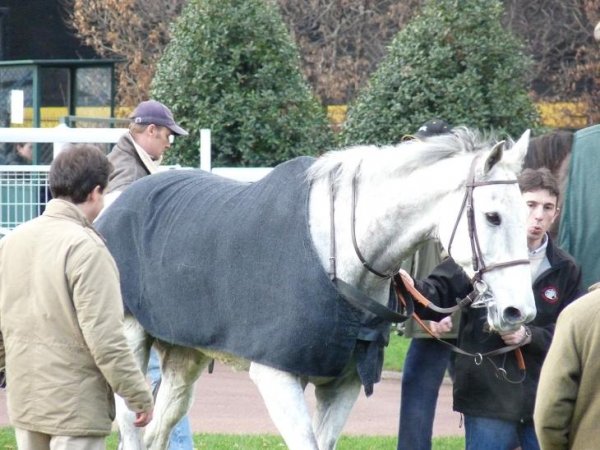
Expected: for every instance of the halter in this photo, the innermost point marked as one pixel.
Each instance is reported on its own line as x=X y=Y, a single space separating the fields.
x=479 y=265
x=480 y=297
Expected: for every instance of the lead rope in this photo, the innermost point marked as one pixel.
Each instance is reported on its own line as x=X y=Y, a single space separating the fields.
x=400 y=284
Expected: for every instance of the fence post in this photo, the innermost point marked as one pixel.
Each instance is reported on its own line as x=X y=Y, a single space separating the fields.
x=205 y=154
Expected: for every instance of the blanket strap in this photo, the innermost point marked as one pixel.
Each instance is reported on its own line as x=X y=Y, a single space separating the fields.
x=332 y=268
x=360 y=300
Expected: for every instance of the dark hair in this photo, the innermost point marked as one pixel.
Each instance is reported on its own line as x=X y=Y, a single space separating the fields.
x=538 y=179
x=548 y=150
x=77 y=170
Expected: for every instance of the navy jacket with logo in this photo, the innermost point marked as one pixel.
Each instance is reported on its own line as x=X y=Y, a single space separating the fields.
x=478 y=390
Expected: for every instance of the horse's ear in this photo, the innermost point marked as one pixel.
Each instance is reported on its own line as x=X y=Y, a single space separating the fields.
x=494 y=156
x=516 y=155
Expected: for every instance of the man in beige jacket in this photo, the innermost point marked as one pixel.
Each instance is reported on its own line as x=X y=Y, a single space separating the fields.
x=567 y=407
x=61 y=317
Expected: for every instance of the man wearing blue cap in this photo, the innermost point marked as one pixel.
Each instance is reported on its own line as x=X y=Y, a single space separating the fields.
x=138 y=153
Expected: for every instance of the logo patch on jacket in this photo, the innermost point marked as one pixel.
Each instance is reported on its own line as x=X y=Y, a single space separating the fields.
x=550 y=294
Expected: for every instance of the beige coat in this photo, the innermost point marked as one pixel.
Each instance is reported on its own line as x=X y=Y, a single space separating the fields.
x=61 y=318
x=567 y=408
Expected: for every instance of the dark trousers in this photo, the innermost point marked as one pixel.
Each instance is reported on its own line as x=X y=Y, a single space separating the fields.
x=424 y=368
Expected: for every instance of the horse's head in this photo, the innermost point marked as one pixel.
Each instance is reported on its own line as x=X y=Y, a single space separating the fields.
x=488 y=237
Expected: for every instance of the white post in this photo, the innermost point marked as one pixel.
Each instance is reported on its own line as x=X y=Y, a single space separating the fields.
x=205 y=155
x=58 y=146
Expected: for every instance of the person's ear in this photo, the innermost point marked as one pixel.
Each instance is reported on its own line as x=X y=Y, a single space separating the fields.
x=93 y=195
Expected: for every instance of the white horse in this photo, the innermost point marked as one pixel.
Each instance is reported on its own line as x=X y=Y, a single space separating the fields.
x=388 y=200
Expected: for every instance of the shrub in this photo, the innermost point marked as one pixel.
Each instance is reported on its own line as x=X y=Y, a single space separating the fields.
x=232 y=67
x=453 y=61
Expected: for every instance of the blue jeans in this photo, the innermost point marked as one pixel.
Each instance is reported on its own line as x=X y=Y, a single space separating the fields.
x=181 y=435
x=422 y=376
x=483 y=433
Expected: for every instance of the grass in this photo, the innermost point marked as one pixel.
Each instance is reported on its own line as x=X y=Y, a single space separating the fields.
x=266 y=442
x=395 y=352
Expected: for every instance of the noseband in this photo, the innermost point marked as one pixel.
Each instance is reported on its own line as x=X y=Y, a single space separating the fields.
x=479 y=265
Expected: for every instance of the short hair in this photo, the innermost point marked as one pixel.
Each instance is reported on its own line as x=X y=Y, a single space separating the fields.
x=538 y=179
x=77 y=170
x=137 y=128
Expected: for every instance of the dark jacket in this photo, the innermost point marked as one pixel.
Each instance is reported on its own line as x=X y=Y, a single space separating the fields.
x=478 y=391
x=128 y=166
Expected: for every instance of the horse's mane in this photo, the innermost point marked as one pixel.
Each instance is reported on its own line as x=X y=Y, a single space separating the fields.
x=549 y=150
x=407 y=155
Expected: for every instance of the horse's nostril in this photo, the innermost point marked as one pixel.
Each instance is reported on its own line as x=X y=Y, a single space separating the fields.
x=512 y=315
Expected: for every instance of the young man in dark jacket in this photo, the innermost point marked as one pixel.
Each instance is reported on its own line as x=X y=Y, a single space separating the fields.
x=495 y=397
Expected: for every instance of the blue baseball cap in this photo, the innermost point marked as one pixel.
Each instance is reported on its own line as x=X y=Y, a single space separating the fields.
x=153 y=112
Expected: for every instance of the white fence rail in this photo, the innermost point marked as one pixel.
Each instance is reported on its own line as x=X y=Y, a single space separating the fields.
x=24 y=190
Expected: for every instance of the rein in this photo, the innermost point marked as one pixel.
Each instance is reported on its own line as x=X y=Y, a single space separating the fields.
x=404 y=290
x=477 y=298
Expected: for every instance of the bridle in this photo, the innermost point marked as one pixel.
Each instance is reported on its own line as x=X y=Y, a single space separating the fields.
x=479 y=265
x=467 y=206
x=480 y=297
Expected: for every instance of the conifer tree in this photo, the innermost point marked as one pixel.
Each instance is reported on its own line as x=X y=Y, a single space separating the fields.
x=232 y=66
x=453 y=61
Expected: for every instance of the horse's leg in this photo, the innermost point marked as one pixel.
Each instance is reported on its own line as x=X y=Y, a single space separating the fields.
x=139 y=342
x=180 y=368
x=334 y=403
x=283 y=394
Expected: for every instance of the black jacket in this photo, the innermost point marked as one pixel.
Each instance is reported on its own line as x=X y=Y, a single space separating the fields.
x=478 y=390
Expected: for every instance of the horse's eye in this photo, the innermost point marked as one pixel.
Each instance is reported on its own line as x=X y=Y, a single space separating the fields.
x=493 y=218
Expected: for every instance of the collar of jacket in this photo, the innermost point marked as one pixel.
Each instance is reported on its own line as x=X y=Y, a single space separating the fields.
x=63 y=209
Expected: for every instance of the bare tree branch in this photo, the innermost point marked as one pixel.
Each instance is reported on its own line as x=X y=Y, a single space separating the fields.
x=342 y=41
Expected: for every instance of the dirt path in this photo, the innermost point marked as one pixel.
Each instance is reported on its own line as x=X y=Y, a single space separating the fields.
x=228 y=402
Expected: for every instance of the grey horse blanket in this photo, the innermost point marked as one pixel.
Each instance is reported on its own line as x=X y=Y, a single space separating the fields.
x=210 y=262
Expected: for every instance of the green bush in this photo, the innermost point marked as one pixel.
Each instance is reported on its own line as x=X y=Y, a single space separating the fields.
x=453 y=61
x=232 y=67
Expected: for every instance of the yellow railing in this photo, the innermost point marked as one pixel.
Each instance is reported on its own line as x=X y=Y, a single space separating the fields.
x=552 y=114
x=563 y=114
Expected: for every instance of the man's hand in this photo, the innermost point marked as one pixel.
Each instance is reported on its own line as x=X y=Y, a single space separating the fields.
x=142 y=418
x=521 y=336
x=441 y=327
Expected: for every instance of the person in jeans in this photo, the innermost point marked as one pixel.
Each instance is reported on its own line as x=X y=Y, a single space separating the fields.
x=427 y=359
x=61 y=318
x=496 y=397
x=137 y=154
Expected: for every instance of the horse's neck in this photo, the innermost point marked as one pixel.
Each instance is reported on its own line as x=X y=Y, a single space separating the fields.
x=393 y=215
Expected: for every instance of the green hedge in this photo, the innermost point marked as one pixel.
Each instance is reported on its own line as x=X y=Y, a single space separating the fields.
x=232 y=67
x=453 y=61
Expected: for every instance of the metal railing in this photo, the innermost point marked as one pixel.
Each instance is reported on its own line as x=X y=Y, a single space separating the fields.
x=24 y=190
x=24 y=193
